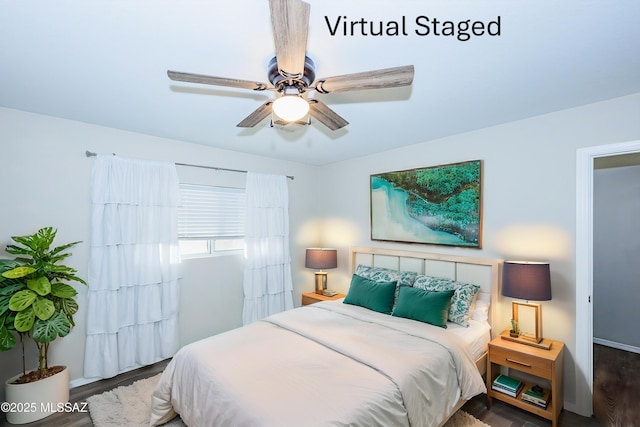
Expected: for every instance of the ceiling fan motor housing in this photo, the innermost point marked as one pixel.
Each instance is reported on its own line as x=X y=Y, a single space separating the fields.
x=301 y=82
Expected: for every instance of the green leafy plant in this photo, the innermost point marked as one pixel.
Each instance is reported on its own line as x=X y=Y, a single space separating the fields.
x=35 y=301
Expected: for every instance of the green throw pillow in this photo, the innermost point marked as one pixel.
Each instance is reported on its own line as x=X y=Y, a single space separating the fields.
x=463 y=296
x=424 y=306
x=377 y=296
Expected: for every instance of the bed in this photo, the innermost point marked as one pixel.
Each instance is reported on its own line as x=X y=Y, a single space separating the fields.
x=338 y=363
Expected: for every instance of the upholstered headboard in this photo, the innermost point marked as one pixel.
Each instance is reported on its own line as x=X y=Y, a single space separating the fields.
x=484 y=272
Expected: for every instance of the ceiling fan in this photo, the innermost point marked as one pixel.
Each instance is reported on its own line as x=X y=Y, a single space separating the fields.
x=292 y=74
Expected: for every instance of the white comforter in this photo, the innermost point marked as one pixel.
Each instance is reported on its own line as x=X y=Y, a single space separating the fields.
x=323 y=364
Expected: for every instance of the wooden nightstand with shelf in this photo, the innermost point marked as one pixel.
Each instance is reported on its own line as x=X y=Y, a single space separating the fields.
x=535 y=362
x=312 y=297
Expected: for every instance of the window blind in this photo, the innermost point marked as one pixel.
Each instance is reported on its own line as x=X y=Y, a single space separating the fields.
x=211 y=212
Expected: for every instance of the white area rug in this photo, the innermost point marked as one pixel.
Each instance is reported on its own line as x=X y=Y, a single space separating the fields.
x=462 y=419
x=131 y=406
x=126 y=406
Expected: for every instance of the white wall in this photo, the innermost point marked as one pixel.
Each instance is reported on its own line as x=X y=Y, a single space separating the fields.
x=45 y=180
x=529 y=198
x=616 y=250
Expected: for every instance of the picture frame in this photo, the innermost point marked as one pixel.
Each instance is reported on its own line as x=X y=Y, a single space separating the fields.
x=439 y=205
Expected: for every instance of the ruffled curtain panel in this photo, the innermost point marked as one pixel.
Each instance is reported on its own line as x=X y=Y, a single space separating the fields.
x=134 y=266
x=267 y=274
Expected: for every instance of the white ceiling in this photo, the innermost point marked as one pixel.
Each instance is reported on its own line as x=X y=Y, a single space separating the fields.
x=105 y=62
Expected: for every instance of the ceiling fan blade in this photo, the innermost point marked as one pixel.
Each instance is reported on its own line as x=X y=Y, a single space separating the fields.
x=290 y=21
x=326 y=115
x=217 y=81
x=376 y=79
x=257 y=116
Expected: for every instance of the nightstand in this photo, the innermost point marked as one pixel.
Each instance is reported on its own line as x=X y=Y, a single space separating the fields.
x=535 y=362
x=312 y=297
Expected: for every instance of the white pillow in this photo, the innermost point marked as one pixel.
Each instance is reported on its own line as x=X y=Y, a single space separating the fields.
x=481 y=311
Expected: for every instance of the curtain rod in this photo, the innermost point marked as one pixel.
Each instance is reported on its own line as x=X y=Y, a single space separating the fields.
x=92 y=154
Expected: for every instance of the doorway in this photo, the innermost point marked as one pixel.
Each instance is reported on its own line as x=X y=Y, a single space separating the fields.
x=616 y=292
x=584 y=266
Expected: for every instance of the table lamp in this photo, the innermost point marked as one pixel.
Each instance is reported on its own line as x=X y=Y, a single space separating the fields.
x=530 y=281
x=321 y=258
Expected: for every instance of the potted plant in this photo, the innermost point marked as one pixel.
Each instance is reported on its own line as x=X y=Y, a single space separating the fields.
x=36 y=304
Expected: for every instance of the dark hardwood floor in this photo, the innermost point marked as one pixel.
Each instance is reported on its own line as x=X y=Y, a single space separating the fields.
x=616 y=388
x=504 y=415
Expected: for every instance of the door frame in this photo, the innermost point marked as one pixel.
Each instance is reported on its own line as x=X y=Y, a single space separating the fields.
x=585 y=158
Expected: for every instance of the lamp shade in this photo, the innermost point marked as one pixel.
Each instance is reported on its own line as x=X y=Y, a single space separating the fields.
x=526 y=280
x=321 y=258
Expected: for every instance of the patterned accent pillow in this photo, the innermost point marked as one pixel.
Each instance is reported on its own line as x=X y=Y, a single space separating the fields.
x=380 y=274
x=463 y=296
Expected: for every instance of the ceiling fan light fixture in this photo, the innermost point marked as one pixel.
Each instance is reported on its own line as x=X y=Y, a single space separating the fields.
x=292 y=74
x=290 y=107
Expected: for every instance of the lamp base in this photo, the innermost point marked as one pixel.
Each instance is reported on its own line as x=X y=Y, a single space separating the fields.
x=321 y=282
x=543 y=343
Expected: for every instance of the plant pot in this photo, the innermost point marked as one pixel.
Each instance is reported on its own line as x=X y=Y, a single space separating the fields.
x=36 y=400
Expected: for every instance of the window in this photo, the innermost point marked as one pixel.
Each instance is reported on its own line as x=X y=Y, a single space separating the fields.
x=211 y=220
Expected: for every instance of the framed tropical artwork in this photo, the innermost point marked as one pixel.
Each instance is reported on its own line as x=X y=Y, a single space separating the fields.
x=440 y=205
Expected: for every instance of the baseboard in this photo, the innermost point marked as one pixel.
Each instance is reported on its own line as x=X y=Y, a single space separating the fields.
x=619 y=346
x=572 y=407
x=84 y=381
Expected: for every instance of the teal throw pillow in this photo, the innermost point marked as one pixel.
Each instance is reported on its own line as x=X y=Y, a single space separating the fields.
x=463 y=297
x=376 y=296
x=381 y=274
x=424 y=306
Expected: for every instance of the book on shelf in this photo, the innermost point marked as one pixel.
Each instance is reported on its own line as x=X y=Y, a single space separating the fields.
x=507 y=383
x=512 y=393
x=536 y=397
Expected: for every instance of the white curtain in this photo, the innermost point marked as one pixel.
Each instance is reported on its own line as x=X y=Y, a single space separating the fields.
x=134 y=266
x=267 y=273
